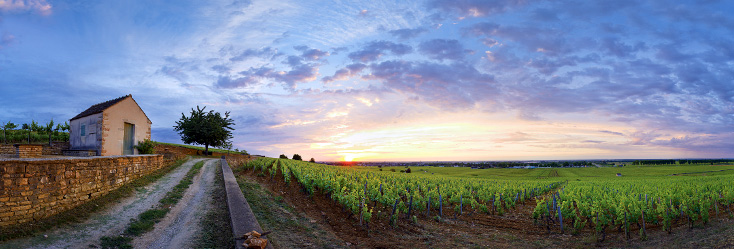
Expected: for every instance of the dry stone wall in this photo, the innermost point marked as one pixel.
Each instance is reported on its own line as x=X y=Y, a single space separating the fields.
x=32 y=189
x=55 y=148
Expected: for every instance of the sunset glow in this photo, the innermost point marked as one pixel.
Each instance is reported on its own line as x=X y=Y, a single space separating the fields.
x=391 y=80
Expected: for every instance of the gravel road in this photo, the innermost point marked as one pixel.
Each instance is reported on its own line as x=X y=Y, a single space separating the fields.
x=181 y=225
x=110 y=222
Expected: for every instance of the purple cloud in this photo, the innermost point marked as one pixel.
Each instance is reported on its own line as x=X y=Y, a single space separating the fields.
x=265 y=52
x=345 y=73
x=449 y=87
x=442 y=49
x=405 y=34
x=376 y=49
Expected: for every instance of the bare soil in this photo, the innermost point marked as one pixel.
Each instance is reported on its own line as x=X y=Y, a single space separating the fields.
x=181 y=225
x=110 y=222
x=515 y=229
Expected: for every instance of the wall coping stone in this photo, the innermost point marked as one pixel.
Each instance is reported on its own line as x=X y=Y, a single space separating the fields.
x=73 y=158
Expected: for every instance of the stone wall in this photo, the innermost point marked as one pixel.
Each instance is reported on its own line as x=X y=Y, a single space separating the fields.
x=54 y=149
x=32 y=189
x=7 y=149
x=28 y=150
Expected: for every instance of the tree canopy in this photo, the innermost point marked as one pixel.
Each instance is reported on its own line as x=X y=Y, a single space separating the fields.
x=297 y=157
x=205 y=128
x=283 y=156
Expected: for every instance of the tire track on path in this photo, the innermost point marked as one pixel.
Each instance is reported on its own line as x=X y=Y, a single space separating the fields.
x=181 y=225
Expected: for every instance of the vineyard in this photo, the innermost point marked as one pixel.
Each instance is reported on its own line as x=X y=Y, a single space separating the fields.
x=558 y=201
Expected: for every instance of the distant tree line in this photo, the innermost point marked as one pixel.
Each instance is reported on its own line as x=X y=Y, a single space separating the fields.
x=682 y=161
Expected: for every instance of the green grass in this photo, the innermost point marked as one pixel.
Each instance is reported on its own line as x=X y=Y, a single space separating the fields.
x=146 y=220
x=83 y=211
x=216 y=224
x=116 y=242
x=202 y=148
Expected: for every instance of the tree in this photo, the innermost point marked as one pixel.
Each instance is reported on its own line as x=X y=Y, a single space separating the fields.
x=205 y=128
x=283 y=156
x=297 y=157
x=49 y=128
x=312 y=160
x=8 y=126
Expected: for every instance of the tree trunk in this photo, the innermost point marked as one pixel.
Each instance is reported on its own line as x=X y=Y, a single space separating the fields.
x=49 y=139
x=206 y=149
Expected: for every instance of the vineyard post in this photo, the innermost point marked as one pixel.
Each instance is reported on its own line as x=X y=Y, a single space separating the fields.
x=394 y=207
x=410 y=205
x=560 y=218
x=428 y=207
x=461 y=205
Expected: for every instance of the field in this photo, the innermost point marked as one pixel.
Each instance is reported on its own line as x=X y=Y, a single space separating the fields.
x=202 y=148
x=548 y=207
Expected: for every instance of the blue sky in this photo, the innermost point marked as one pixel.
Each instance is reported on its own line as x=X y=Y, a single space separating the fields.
x=391 y=80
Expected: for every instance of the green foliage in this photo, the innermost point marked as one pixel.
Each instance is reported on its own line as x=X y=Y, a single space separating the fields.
x=205 y=128
x=312 y=160
x=283 y=156
x=297 y=157
x=120 y=242
x=146 y=146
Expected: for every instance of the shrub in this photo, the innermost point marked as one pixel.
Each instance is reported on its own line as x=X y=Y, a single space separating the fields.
x=283 y=156
x=146 y=147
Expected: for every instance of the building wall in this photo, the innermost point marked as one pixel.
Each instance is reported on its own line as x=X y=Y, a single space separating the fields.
x=92 y=139
x=32 y=189
x=113 y=120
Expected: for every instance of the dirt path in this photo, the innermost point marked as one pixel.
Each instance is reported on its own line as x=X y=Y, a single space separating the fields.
x=110 y=222
x=181 y=225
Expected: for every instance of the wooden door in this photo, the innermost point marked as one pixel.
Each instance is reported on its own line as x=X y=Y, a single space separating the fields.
x=128 y=139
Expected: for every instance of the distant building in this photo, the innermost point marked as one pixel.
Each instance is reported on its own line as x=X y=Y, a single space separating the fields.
x=110 y=128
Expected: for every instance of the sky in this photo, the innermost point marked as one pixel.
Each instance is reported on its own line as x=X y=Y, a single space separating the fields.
x=391 y=80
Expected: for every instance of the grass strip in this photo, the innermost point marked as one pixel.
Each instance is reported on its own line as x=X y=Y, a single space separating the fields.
x=146 y=220
x=216 y=224
x=83 y=211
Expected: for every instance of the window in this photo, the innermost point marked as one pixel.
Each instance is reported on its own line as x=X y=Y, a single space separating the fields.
x=84 y=130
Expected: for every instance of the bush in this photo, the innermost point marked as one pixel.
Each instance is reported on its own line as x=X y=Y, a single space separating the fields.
x=146 y=147
x=393 y=170
x=283 y=156
x=297 y=157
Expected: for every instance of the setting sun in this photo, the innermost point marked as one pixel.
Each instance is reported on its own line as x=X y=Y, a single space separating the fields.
x=348 y=158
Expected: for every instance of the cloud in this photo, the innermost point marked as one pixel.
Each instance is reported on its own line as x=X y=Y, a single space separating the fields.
x=376 y=49
x=311 y=54
x=228 y=83
x=442 y=49
x=407 y=33
x=266 y=52
x=345 y=73
x=40 y=7
x=449 y=87
x=474 y=8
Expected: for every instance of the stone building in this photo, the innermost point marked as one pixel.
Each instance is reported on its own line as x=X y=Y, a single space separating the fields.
x=109 y=128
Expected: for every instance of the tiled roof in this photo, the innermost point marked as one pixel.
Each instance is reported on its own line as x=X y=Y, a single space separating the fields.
x=99 y=107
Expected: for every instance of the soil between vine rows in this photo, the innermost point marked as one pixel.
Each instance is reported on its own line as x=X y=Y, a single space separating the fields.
x=516 y=228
